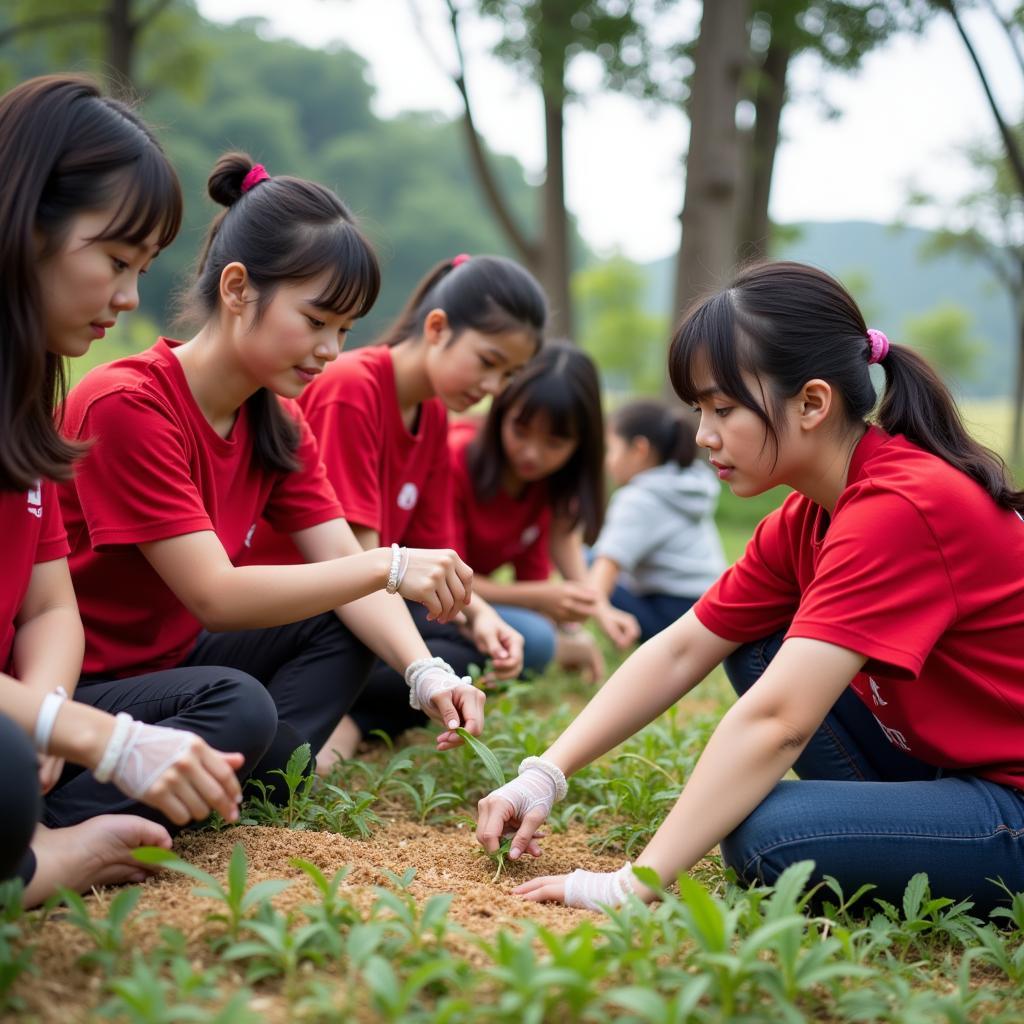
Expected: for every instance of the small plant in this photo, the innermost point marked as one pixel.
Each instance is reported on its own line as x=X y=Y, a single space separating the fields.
x=499 y=857
x=107 y=933
x=15 y=958
x=237 y=900
x=486 y=756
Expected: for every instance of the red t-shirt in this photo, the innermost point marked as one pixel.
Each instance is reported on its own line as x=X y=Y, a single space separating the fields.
x=157 y=469
x=921 y=571
x=387 y=478
x=33 y=532
x=505 y=529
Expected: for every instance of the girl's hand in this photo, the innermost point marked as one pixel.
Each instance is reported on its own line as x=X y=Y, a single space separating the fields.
x=620 y=627
x=494 y=637
x=577 y=651
x=588 y=890
x=436 y=690
x=173 y=770
x=568 y=601
x=439 y=580
x=50 y=768
x=520 y=806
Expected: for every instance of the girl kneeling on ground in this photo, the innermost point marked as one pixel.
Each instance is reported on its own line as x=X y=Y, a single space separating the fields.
x=874 y=627
x=193 y=443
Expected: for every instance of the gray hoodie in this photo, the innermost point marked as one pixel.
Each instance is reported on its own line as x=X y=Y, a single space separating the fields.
x=659 y=530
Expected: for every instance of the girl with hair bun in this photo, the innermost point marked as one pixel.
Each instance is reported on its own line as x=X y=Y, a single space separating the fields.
x=659 y=548
x=380 y=416
x=194 y=442
x=873 y=629
x=87 y=200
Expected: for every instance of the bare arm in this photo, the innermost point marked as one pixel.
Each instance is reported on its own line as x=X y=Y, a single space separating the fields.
x=566 y=546
x=603 y=574
x=49 y=641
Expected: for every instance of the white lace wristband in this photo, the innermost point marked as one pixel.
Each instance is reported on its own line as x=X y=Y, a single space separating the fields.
x=551 y=770
x=426 y=677
x=593 y=890
x=47 y=717
x=115 y=746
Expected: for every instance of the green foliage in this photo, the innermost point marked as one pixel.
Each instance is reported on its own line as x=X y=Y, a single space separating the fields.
x=944 y=338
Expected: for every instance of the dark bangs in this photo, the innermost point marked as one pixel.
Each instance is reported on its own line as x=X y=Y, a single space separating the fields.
x=355 y=273
x=712 y=331
x=548 y=396
x=150 y=202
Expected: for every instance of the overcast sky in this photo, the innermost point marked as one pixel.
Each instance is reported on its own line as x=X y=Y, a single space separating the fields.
x=904 y=115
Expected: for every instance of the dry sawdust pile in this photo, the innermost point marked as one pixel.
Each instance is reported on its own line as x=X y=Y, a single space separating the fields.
x=445 y=860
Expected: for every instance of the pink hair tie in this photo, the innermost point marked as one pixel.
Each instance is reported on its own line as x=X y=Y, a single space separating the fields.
x=254 y=177
x=463 y=257
x=879 y=346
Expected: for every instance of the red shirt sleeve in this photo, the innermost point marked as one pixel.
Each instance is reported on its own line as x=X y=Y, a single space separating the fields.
x=880 y=585
x=134 y=485
x=305 y=497
x=352 y=458
x=758 y=595
x=53 y=540
x=432 y=523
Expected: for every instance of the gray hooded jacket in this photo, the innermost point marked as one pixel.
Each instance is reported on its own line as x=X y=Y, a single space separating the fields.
x=659 y=530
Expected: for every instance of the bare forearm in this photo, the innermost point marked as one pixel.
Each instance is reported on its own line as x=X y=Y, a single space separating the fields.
x=566 y=548
x=48 y=650
x=383 y=623
x=743 y=761
x=523 y=595
x=603 y=574
x=649 y=682
x=254 y=596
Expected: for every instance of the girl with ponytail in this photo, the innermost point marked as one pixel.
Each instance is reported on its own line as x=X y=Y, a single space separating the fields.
x=194 y=442
x=659 y=548
x=380 y=417
x=874 y=627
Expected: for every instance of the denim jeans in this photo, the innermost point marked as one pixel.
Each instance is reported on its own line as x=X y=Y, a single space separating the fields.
x=654 y=612
x=538 y=636
x=864 y=811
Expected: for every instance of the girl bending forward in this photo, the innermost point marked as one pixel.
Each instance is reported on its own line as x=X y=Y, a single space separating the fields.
x=874 y=627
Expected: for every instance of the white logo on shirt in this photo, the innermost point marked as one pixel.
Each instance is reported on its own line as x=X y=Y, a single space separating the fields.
x=529 y=535
x=895 y=737
x=876 y=694
x=35 y=500
x=408 y=496
x=248 y=536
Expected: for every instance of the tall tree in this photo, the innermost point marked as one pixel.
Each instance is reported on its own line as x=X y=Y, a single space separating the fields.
x=541 y=38
x=707 y=252
x=840 y=33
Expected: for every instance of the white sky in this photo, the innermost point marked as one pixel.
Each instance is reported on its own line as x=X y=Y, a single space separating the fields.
x=904 y=115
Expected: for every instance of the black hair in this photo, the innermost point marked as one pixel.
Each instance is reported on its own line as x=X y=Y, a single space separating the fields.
x=281 y=230
x=787 y=323
x=489 y=294
x=671 y=434
x=65 y=150
x=562 y=384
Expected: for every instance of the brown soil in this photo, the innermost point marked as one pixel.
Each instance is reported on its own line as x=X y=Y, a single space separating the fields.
x=446 y=861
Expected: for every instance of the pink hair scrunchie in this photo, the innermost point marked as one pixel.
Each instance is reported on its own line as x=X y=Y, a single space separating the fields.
x=463 y=257
x=879 y=346
x=254 y=177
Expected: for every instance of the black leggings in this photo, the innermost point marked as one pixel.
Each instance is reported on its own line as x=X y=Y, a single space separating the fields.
x=260 y=692
x=19 y=801
x=384 y=704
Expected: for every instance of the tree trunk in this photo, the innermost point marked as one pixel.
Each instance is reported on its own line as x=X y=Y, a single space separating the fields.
x=708 y=248
x=121 y=46
x=555 y=256
x=755 y=228
x=1016 y=440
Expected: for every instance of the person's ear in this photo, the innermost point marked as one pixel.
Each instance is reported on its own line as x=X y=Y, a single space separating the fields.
x=235 y=291
x=436 y=330
x=641 y=447
x=816 y=400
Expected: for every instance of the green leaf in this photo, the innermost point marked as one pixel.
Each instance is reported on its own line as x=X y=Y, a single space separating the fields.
x=914 y=895
x=482 y=751
x=265 y=890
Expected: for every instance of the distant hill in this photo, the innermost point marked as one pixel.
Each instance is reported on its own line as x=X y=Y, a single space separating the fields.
x=883 y=266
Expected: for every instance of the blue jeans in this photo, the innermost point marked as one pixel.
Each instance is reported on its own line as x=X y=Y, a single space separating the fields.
x=864 y=811
x=538 y=633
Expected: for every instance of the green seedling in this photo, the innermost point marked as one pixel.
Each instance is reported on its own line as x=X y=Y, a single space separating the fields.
x=107 y=933
x=425 y=799
x=237 y=900
x=499 y=857
x=486 y=756
x=15 y=958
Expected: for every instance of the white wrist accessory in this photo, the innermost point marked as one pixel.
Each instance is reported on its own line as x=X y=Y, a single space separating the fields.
x=138 y=754
x=592 y=890
x=540 y=784
x=427 y=677
x=399 y=564
x=47 y=717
